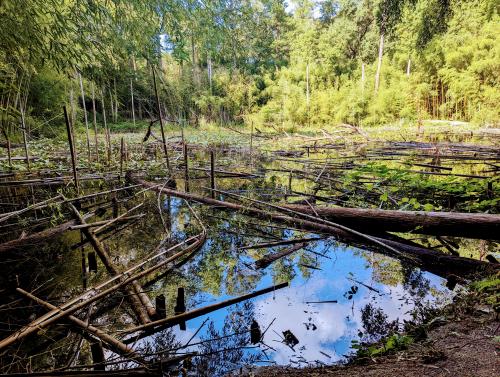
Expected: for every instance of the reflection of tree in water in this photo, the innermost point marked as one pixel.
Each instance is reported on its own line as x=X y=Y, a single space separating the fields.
x=417 y=286
x=376 y=324
x=225 y=352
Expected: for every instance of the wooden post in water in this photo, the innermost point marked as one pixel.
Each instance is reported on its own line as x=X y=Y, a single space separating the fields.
x=92 y=261
x=122 y=151
x=71 y=147
x=180 y=306
x=489 y=190
x=186 y=168
x=161 y=122
x=84 y=263
x=97 y=356
x=161 y=307
x=212 y=173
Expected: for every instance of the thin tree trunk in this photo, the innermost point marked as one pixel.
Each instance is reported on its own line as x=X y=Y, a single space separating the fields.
x=307 y=84
x=71 y=147
x=164 y=141
x=116 y=100
x=408 y=67
x=85 y=116
x=133 y=105
x=112 y=115
x=363 y=76
x=94 y=121
x=106 y=130
x=379 y=63
x=25 y=138
x=209 y=72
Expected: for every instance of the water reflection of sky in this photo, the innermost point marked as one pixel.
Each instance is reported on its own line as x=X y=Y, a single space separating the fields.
x=336 y=324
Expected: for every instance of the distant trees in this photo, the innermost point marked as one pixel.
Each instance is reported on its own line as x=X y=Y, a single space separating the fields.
x=233 y=60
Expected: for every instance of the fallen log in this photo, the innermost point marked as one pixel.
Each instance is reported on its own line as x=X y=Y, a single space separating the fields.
x=95 y=293
x=117 y=346
x=429 y=260
x=176 y=319
x=138 y=300
x=36 y=239
x=468 y=225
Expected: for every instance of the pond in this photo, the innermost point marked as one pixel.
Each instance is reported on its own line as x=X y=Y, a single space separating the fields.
x=338 y=296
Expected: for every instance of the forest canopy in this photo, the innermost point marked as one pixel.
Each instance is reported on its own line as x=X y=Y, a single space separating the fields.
x=268 y=62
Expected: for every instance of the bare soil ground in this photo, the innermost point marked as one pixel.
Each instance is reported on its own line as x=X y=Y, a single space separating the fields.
x=466 y=344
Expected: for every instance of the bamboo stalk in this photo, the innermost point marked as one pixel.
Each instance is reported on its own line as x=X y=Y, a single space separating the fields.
x=25 y=138
x=133 y=105
x=71 y=147
x=94 y=121
x=106 y=129
x=161 y=122
x=85 y=116
x=122 y=150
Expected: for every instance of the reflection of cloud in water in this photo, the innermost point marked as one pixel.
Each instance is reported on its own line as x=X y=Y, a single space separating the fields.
x=334 y=330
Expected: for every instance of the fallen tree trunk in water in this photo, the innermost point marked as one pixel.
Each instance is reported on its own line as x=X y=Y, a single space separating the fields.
x=468 y=225
x=429 y=260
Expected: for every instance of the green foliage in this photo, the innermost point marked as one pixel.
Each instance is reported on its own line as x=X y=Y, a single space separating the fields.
x=392 y=344
x=452 y=46
x=236 y=62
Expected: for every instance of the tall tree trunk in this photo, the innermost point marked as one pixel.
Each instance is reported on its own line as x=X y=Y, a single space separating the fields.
x=85 y=115
x=116 y=101
x=25 y=138
x=132 y=98
x=408 y=67
x=106 y=130
x=363 y=76
x=94 y=121
x=111 y=103
x=209 y=72
x=72 y=104
x=307 y=84
x=379 y=63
